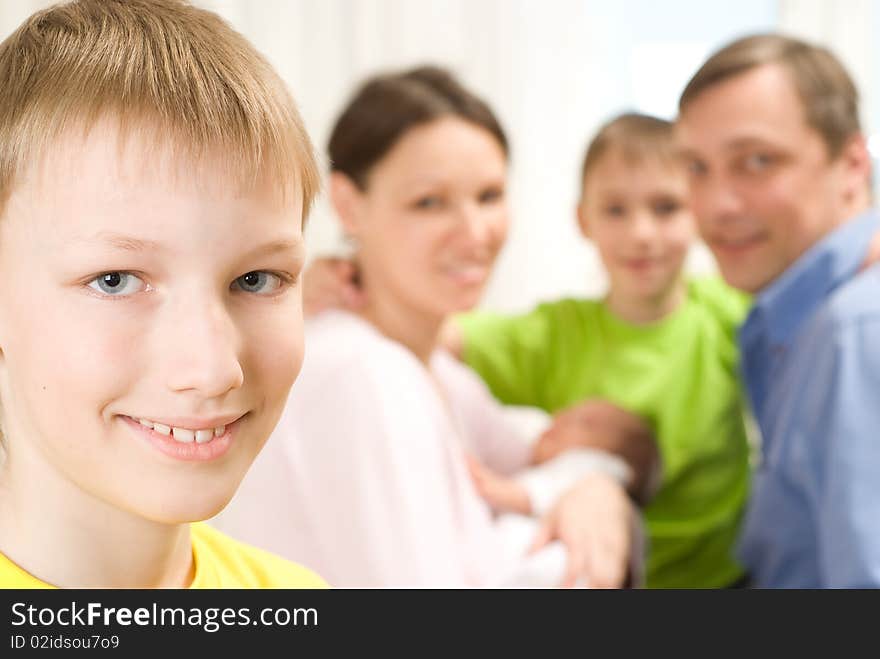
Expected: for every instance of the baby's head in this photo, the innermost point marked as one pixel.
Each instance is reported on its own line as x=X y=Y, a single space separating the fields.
x=634 y=206
x=154 y=178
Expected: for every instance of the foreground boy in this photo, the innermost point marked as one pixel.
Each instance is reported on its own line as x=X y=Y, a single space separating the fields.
x=154 y=177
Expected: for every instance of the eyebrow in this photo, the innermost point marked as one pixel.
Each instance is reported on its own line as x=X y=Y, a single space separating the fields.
x=424 y=183
x=420 y=184
x=132 y=244
x=278 y=247
x=737 y=144
x=124 y=242
x=745 y=142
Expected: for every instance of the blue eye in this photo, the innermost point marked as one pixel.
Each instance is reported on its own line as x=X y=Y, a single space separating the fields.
x=259 y=281
x=666 y=208
x=696 y=168
x=757 y=162
x=491 y=195
x=117 y=284
x=428 y=203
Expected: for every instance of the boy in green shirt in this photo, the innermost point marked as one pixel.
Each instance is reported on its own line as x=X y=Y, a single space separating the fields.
x=657 y=345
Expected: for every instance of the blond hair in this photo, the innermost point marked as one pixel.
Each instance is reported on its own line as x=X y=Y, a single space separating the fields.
x=159 y=65
x=636 y=137
x=828 y=93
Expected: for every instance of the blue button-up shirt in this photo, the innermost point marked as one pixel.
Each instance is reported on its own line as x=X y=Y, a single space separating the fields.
x=811 y=363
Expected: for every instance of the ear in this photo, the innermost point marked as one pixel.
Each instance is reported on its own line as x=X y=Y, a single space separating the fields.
x=583 y=220
x=855 y=162
x=347 y=200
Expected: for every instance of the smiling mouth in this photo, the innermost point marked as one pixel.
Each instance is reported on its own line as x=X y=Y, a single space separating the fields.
x=189 y=441
x=641 y=265
x=468 y=274
x=183 y=435
x=737 y=246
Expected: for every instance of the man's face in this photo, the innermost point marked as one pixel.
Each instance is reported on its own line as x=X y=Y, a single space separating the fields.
x=764 y=187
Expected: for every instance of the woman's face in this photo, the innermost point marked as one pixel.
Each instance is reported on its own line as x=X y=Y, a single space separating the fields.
x=433 y=218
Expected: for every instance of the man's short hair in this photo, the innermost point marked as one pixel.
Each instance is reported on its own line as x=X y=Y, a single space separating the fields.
x=828 y=94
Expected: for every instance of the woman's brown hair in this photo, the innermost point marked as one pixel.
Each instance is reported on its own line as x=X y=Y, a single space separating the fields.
x=387 y=106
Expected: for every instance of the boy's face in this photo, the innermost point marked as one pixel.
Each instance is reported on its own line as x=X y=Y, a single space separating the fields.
x=764 y=188
x=127 y=294
x=637 y=215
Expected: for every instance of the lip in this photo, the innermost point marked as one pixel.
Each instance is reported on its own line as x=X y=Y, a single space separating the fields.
x=193 y=422
x=737 y=247
x=469 y=275
x=192 y=451
x=640 y=265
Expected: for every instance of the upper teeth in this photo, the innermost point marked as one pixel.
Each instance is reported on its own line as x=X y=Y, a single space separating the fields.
x=184 y=435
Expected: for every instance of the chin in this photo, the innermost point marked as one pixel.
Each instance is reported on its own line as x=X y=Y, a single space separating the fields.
x=645 y=290
x=184 y=508
x=745 y=279
x=464 y=303
x=445 y=302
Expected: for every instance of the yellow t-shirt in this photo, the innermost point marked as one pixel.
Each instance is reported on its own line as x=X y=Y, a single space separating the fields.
x=220 y=562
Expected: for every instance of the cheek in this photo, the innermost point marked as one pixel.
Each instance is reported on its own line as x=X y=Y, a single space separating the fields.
x=76 y=345
x=775 y=201
x=682 y=234
x=499 y=225
x=422 y=246
x=397 y=243
x=609 y=235
x=64 y=362
x=699 y=199
x=275 y=350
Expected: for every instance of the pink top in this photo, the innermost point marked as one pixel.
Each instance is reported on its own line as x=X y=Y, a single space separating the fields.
x=364 y=479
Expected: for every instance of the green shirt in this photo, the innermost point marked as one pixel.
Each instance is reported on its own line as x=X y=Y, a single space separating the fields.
x=679 y=375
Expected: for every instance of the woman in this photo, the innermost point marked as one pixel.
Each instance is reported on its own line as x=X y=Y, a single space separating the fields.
x=366 y=477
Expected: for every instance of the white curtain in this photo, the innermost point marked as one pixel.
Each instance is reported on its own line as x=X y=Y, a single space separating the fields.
x=552 y=69
x=536 y=64
x=847 y=27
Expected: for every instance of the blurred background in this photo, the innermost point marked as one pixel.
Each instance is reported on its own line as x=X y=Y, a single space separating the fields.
x=553 y=70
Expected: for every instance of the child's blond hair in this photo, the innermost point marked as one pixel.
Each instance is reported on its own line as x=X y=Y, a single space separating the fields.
x=163 y=66
x=636 y=137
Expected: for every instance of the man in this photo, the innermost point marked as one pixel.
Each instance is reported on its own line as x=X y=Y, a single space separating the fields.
x=769 y=127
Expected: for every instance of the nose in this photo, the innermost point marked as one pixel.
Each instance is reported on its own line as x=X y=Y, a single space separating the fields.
x=202 y=351
x=644 y=226
x=483 y=227
x=715 y=200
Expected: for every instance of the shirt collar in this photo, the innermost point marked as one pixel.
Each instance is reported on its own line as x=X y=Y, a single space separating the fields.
x=781 y=308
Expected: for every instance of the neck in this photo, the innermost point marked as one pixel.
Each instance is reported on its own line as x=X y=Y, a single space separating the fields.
x=848 y=210
x=646 y=310
x=69 y=538
x=860 y=203
x=417 y=331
